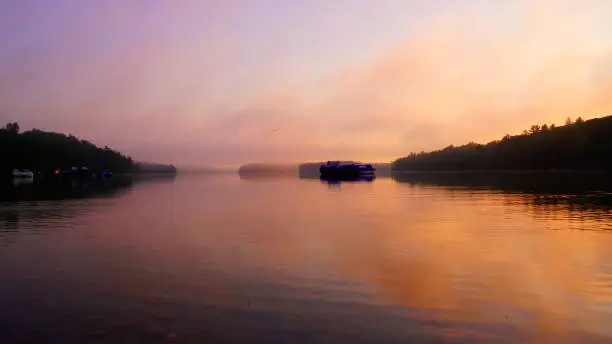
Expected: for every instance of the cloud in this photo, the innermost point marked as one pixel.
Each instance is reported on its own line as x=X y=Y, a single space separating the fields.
x=113 y=84
x=175 y=90
x=468 y=77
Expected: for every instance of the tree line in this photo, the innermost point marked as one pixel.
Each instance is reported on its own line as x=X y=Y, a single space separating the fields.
x=577 y=145
x=46 y=152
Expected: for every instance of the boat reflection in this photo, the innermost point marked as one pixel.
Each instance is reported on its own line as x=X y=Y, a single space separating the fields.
x=22 y=181
x=337 y=181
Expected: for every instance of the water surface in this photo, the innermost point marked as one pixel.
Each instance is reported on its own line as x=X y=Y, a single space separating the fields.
x=225 y=259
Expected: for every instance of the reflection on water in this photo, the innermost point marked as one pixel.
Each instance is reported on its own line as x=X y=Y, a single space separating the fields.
x=292 y=261
x=28 y=190
x=525 y=182
x=51 y=202
x=586 y=194
x=336 y=183
x=22 y=181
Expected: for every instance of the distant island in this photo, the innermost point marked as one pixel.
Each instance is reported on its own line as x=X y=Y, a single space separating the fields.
x=264 y=169
x=577 y=146
x=149 y=168
x=45 y=152
x=206 y=170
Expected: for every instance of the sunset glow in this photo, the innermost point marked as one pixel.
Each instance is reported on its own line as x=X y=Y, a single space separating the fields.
x=229 y=82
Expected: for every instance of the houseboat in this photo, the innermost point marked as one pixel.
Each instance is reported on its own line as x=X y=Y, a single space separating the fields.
x=337 y=169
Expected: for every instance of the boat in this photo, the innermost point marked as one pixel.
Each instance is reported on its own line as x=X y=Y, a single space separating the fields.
x=106 y=174
x=75 y=173
x=17 y=173
x=336 y=169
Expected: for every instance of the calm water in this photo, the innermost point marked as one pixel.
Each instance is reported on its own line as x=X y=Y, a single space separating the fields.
x=222 y=259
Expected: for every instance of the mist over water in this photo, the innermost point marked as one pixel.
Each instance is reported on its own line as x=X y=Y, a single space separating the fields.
x=430 y=258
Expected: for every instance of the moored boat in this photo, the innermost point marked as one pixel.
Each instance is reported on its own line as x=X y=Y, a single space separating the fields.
x=106 y=174
x=18 y=173
x=337 y=169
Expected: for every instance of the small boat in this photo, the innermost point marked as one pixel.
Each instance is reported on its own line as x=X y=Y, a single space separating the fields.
x=336 y=169
x=75 y=173
x=17 y=173
x=106 y=174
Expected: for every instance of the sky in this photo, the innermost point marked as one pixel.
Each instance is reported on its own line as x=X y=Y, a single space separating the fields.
x=201 y=82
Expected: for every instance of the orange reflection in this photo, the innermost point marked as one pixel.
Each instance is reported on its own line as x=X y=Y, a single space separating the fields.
x=460 y=256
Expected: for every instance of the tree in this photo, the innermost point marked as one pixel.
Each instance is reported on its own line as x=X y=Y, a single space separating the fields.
x=568 y=121
x=12 y=128
x=584 y=146
x=46 y=151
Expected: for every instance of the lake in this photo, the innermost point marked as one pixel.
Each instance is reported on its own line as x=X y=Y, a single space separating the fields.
x=231 y=259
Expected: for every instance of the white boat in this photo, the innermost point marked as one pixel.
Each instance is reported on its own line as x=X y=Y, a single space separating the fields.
x=22 y=174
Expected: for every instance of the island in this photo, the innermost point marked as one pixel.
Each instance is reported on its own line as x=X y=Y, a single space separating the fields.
x=256 y=170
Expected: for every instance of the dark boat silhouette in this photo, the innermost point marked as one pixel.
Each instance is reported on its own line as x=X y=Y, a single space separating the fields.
x=336 y=169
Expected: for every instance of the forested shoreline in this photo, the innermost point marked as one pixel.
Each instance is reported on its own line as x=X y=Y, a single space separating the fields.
x=45 y=152
x=578 y=145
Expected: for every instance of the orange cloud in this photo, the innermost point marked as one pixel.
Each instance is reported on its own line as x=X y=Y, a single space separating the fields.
x=464 y=79
x=187 y=92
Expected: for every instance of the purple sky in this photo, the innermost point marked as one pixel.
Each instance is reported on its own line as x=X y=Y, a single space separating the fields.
x=207 y=82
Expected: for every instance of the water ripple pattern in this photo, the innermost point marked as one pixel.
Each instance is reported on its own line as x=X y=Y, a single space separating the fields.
x=225 y=260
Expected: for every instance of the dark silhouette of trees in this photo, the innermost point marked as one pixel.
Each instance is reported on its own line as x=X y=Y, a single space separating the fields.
x=12 y=128
x=45 y=152
x=583 y=145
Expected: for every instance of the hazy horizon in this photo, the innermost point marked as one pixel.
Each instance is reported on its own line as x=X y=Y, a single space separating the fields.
x=232 y=82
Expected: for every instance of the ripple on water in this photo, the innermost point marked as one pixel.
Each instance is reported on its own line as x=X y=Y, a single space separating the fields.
x=201 y=260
